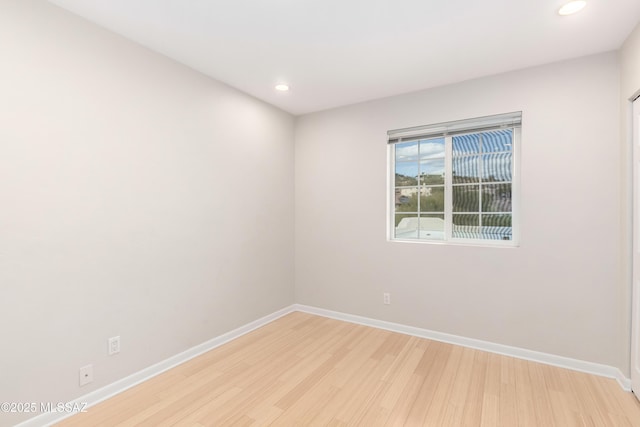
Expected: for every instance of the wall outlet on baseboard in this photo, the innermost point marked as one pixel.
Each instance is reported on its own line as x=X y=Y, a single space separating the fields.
x=114 y=345
x=386 y=298
x=85 y=375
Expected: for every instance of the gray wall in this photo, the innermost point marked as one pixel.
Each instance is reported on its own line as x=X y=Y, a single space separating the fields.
x=138 y=198
x=556 y=293
x=629 y=86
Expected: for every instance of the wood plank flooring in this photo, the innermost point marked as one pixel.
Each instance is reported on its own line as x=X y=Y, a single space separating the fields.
x=305 y=370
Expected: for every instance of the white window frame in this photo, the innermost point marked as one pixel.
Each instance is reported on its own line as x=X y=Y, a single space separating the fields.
x=477 y=125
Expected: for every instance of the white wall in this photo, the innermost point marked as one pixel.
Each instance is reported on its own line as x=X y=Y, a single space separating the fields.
x=556 y=293
x=629 y=86
x=630 y=64
x=137 y=198
x=142 y=199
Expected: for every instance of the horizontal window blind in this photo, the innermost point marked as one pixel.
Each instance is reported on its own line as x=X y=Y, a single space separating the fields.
x=480 y=124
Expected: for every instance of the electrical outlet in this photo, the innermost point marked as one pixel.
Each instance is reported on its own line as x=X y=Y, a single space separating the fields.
x=85 y=375
x=114 y=345
x=386 y=297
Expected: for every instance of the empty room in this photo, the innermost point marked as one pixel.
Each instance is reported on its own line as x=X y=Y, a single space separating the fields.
x=319 y=213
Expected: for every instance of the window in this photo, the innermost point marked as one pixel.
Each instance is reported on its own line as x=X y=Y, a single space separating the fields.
x=456 y=181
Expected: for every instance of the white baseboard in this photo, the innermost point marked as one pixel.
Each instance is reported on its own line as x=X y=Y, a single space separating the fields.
x=520 y=353
x=97 y=396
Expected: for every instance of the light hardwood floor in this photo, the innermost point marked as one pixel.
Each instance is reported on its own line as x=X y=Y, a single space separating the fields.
x=304 y=370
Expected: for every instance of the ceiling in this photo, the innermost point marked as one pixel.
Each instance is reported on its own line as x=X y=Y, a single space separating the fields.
x=339 y=52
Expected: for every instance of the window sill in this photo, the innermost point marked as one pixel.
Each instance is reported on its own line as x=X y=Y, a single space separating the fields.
x=473 y=243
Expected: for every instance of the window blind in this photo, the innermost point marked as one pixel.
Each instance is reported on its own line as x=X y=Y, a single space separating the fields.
x=479 y=124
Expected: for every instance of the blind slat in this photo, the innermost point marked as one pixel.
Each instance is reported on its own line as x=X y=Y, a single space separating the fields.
x=500 y=121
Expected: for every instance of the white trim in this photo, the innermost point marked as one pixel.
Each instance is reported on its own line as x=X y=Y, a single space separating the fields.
x=108 y=391
x=623 y=381
x=97 y=396
x=448 y=186
x=634 y=366
x=476 y=124
x=448 y=191
x=517 y=352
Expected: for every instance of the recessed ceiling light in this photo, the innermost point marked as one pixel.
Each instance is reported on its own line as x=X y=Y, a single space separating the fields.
x=572 y=7
x=282 y=87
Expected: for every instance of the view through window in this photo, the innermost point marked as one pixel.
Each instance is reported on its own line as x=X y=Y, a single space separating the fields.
x=455 y=181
